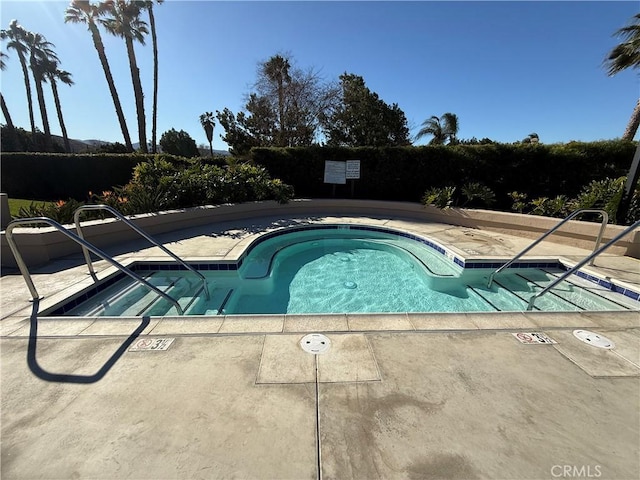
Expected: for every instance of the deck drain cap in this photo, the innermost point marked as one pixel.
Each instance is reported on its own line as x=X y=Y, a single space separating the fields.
x=315 y=343
x=593 y=339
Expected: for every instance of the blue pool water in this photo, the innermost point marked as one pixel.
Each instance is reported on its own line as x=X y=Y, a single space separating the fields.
x=344 y=270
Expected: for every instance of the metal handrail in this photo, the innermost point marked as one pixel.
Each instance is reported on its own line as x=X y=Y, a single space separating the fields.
x=605 y=220
x=118 y=215
x=27 y=276
x=626 y=231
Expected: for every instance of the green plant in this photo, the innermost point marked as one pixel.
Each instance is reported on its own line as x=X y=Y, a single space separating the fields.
x=60 y=211
x=604 y=194
x=439 y=197
x=519 y=201
x=179 y=143
x=474 y=192
x=549 y=207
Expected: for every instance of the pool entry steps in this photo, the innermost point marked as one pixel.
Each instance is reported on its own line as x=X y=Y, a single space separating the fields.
x=335 y=269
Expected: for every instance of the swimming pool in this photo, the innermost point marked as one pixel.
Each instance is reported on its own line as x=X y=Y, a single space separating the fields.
x=345 y=269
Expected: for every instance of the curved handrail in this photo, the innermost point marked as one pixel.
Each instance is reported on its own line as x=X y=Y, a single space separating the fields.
x=605 y=220
x=27 y=276
x=119 y=216
x=626 y=231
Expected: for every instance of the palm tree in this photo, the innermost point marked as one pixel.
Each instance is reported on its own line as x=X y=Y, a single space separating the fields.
x=442 y=129
x=276 y=71
x=5 y=109
x=125 y=22
x=40 y=53
x=206 y=119
x=148 y=5
x=17 y=37
x=623 y=56
x=84 y=12
x=54 y=74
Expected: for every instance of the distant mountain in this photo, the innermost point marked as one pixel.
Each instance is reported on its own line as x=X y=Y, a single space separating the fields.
x=81 y=146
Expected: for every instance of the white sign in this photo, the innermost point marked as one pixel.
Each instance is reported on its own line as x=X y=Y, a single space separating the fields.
x=533 y=338
x=335 y=172
x=353 y=169
x=151 y=344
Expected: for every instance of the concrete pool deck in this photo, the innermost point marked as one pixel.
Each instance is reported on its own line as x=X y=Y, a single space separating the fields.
x=396 y=396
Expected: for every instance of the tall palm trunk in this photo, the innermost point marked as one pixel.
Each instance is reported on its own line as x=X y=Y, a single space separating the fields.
x=154 y=120
x=11 y=143
x=634 y=123
x=56 y=99
x=5 y=112
x=97 y=43
x=37 y=76
x=137 y=90
x=27 y=86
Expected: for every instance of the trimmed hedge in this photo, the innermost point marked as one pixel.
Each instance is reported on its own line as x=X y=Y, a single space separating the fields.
x=50 y=176
x=405 y=173
x=393 y=173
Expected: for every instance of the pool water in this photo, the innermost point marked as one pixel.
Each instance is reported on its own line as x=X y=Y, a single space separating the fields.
x=346 y=271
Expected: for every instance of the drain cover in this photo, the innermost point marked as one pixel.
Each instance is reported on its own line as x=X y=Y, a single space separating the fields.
x=593 y=339
x=315 y=343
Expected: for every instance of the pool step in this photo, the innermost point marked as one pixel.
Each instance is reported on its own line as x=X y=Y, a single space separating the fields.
x=586 y=295
x=129 y=298
x=214 y=305
x=512 y=292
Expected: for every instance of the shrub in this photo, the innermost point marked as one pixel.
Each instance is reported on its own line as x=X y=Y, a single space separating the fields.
x=197 y=182
x=441 y=197
x=60 y=211
x=477 y=194
x=603 y=194
x=519 y=201
x=550 y=207
x=474 y=194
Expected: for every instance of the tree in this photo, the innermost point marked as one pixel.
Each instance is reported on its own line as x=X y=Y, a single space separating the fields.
x=40 y=53
x=276 y=78
x=54 y=74
x=80 y=11
x=125 y=22
x=361 y=118
x=627 y=55
x=442 y=129
x=284 y=110
x=240 y=141
x=206 y=120
x=179 y=143
x=5 y=109
x=148 y=5
x=17 y=37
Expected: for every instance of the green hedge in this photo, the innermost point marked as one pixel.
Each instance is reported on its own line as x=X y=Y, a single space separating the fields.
x=394 y=173
x=47 y=176
x=50 y=177
x=405 y=173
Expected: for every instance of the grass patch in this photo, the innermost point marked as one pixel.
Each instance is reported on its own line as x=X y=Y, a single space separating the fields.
x=15 y=204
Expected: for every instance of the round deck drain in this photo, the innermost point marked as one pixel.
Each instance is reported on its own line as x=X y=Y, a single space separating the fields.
x=350 y=285
x=315 y=343
x=593 y=339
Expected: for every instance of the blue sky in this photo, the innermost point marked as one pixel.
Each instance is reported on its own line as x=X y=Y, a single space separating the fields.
x=506 y=69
